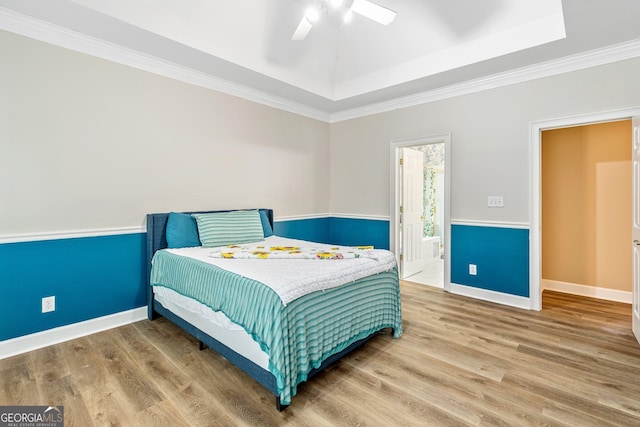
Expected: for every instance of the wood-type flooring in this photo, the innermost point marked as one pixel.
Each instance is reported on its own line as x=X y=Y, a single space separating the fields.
x=459 y=362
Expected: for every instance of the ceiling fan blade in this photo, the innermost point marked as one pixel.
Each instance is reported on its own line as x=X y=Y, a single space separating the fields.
x=303 y=29
x=373 y=11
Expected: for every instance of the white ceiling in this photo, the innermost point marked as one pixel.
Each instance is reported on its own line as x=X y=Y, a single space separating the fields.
x=430 y=45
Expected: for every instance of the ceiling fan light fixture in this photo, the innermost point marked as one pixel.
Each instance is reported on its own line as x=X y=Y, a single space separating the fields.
x=373 y=11
x=302 y=30
x=348 y=16
x=312 y=14
x=340 y=9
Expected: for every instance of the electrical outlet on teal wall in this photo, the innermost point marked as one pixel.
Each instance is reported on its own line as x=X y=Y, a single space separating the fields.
x=90 y=277
x=501 y=257
x=93 y=277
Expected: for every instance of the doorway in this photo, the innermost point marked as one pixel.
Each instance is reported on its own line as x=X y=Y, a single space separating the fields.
x=586 y=210
x=535 y=285
x=420 y=236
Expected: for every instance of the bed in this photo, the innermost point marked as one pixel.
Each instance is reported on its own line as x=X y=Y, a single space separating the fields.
x=279 y=309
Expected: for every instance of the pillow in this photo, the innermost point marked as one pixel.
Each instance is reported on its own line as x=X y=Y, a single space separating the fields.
x=228 y=228
x=266 y=226
x=182 y=231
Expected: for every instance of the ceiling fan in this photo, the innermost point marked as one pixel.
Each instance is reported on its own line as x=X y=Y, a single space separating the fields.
x=347 y=8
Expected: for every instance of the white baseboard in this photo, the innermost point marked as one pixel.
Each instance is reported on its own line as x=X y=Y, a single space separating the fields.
x=49 y=337
x=588 y=291
x=491 y=296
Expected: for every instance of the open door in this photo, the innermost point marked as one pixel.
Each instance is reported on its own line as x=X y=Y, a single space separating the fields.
x=412 y=212
x=635 y=322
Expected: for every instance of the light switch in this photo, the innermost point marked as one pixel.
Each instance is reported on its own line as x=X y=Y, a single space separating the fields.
x=495 y=202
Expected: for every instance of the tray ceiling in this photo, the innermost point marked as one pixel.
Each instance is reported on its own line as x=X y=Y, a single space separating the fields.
x=431 y=44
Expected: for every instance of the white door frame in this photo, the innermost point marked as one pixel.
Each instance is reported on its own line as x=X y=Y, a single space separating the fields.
x=635 y=233
x=394 y=234
x=535 y=245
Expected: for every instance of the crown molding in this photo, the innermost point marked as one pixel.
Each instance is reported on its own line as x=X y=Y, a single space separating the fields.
x=580 y=61
x=59 y=36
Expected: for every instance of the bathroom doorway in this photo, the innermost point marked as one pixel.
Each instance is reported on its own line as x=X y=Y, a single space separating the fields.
x=422 y=254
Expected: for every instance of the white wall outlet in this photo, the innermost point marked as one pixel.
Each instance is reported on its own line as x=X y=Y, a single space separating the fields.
x=48 y=304
x=495 y=201
x=473 y=270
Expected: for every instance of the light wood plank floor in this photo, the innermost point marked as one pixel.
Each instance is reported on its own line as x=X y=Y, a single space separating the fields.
x=459 y=362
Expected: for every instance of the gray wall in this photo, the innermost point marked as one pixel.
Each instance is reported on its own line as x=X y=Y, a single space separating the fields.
x=87 y=144
x=90 y=144
x=490 y=140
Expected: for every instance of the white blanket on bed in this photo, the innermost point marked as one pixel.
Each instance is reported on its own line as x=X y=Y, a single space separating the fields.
x=315 y=251
x=293 y=278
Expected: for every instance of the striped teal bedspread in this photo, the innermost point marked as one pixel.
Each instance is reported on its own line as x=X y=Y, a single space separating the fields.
x=296 y=337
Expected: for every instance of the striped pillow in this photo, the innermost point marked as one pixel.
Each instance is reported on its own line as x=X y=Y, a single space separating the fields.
x=229 y=228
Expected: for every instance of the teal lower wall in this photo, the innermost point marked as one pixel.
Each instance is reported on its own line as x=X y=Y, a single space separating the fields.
x=89 y=277
x=359 y=232
x=500 y=254
x=313 y=229
x=96 y=276
x=337 y=231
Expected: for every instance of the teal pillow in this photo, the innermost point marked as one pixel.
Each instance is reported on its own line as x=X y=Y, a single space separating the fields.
x=266 y=225
x=229 y=228
x=182 y=231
